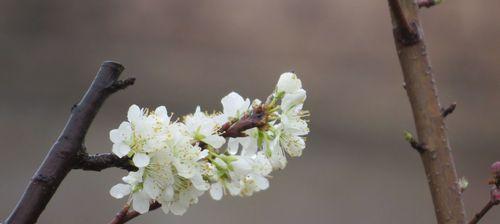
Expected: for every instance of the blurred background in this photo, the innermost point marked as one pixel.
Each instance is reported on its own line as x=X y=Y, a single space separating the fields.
x=357 y=168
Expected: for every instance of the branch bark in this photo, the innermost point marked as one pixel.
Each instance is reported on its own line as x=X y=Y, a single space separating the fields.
x=422 y=93
x=63 y=155
x=483 y=211
x=102 y=161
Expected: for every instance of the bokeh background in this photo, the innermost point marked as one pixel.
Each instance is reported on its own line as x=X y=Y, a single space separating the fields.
x=356 y=169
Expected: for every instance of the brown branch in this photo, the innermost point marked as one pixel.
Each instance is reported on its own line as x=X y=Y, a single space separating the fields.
x=102 y=161
x=257 y=118
x=427 y=3
x=407 y=32
x=483 y=211
x=125 y=215
x=447 y=111
x=63 y=155
x=422 y=93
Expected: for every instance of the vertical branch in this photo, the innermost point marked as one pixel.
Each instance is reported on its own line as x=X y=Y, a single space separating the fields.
x=63 y=155
x=422 y=93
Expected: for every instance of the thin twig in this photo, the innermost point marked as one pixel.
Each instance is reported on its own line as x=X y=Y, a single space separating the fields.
x=63 y=155
x=427 y=3
x=483 y=211
x=126 y=215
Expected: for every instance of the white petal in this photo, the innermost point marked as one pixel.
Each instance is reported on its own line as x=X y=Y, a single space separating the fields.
x=216 y=191
x=231 y=104
x=233 y=145
x=178 y=208
x=140 y=202
x=199 y=183
x=289 y=83
x=293 y=99
x=151 y=188
x=203 y=154
x=161 y=111
x=250 y=147
x=120 y=190
x=215 y=141
x=241 y=166
x=262 y=182
x=168 y=194
x=120 y=149
x=141 y=160
x=165 y=208
x=134 y=113
x=116 y=136
x=134 y=177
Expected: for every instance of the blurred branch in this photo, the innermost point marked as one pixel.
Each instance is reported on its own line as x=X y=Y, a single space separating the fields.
x=63 y=155
x=102 y=161
x=483 y=211
x=428 y=3
x=421 y=89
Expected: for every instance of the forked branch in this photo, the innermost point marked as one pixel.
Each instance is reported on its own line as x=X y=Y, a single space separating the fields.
x=64 y=154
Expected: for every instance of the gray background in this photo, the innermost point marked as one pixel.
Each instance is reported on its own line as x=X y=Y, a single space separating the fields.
x=356 y=169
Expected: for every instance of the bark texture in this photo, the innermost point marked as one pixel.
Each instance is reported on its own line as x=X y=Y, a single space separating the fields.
x=422 y=93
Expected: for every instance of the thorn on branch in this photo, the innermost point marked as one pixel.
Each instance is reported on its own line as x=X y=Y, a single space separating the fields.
x=121 y=84
x=447 y=111
x=421 y=148
x=428 y=3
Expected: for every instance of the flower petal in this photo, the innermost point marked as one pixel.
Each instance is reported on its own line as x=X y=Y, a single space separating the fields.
x=134 y=113
x=214 y=140
x=120 y=149
x=120 y=190
x=141 y=160
x=288 y=83
x=262 y=182
x=216 y=191
x=140 y=202
x=233 y=145
x=231 y=104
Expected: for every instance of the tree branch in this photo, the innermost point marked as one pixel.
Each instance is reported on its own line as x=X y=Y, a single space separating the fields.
x=125 y=215
x=257 y=118
x=421 y=89
x=428 y=3
x=483 y=211
x=102 y=161
x=63 y=155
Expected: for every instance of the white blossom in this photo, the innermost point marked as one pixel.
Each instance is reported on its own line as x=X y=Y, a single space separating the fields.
x=179 y=160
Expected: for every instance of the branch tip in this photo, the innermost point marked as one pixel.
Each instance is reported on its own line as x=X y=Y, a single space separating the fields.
x=428 y=3
x=121 y=84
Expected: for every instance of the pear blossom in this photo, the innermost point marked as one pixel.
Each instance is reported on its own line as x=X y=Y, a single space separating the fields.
x=288 y=83
x=179 y=160
x=204 y=128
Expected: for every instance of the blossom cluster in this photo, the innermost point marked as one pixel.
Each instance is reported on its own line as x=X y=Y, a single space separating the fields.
x=231 y=152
